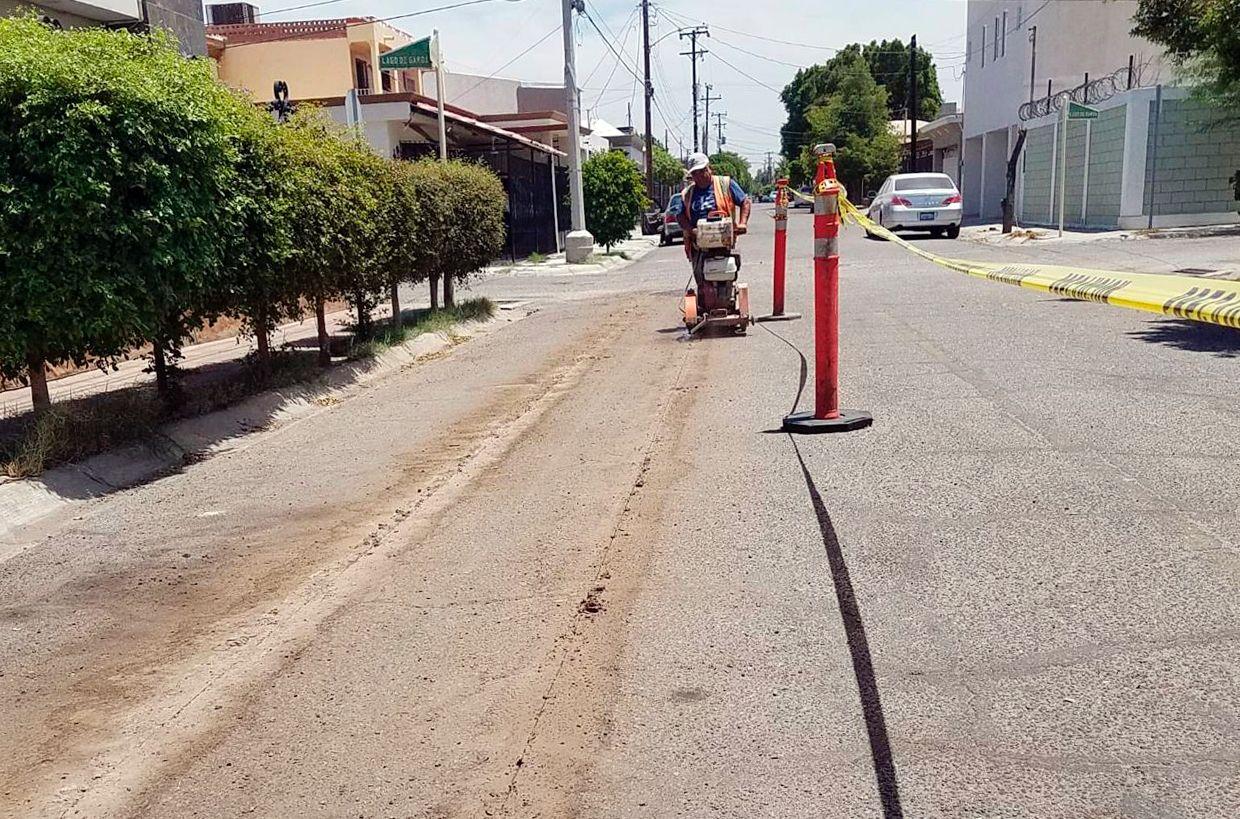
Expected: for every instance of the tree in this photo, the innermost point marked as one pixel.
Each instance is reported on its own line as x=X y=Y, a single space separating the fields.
x=888 y=62
x=614 y=196
x=668 y=170
x=475 y=205
x=333 y=227
x=733 y=165
x=117 y=157
x=855 y=120
x=256 y=285
x=1203 y=38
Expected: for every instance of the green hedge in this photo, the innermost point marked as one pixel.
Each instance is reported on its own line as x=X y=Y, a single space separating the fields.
x=139 y=198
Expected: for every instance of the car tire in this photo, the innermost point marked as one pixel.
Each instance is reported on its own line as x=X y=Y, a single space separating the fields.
x=936 y=232
x=663 y=240
x=953 y=231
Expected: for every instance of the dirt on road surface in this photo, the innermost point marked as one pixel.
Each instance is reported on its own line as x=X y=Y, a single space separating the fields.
x=570 y=568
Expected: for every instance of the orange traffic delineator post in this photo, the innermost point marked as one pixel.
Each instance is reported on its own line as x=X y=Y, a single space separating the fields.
x=781 y=256
x=827 y=415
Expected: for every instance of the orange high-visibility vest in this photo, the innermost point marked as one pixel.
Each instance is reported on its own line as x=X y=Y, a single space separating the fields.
x=723 y=197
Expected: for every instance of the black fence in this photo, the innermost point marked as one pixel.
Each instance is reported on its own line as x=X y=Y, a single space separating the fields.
x=530 y=219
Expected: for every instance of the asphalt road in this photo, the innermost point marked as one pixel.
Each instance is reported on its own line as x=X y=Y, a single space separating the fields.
x=568 y=569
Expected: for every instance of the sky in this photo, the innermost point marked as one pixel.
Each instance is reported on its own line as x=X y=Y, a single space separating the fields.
x=755 y=48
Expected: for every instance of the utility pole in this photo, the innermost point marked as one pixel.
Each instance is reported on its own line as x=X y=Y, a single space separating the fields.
x=719 y=140
x=1033 y=58
x=579 y=243
x=693 y=54
x=706 y=127
x=649 y=99
x=912 y=104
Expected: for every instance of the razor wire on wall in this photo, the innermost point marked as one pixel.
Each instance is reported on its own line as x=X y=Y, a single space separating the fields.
x=1092 y=92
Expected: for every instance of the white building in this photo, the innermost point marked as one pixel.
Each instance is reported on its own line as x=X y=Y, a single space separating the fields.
x=181 y=17
x=1139 y=159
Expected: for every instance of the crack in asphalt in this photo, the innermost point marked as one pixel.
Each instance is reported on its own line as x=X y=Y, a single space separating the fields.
x=582 y=613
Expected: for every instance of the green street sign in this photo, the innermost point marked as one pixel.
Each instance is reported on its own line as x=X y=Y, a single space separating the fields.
x=414 y=55
x=1078 y=111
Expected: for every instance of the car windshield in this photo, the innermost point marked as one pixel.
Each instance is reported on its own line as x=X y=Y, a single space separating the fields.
x=670 y=200
x=931 y=182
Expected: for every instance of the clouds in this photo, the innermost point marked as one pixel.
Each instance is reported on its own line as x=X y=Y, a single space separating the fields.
x=480 y=39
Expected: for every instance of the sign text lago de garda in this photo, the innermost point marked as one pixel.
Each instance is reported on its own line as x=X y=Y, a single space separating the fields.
x=414 y=55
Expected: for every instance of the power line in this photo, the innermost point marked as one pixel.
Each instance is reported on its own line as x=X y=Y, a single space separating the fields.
x=527 y=50
x=607 y=42
x=603 y=59
x=747 y=75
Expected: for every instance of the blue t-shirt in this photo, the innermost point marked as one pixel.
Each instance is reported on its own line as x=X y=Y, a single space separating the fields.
x=702 y=201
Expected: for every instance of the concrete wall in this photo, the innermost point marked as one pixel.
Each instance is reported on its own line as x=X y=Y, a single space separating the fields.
x=541 y=98
x=994 y=173
x=1039 y=151
x=312 y=68
x=971 y=190
x=481 y=95
x=1116 y=178
x=184 y=19
x=1196 y=157
x=181 y=17
x=1106 y=167
x=1095 y=206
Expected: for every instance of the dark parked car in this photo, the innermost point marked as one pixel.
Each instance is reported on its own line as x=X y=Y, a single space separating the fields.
x=671 y=228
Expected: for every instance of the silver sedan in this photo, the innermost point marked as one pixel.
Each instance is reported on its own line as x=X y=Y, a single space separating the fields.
x=918 y=201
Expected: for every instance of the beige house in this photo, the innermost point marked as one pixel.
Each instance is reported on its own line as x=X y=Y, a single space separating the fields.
x=317 y=58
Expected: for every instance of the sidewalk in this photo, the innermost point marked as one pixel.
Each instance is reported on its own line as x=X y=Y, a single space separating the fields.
x=622 y=254
x=991 y=233
x=131 y=373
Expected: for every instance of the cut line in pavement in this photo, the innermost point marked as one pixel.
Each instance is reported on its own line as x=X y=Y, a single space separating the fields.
x=859 y=651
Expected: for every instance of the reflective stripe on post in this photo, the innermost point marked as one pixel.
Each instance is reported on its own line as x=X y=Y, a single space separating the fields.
x=781 y=256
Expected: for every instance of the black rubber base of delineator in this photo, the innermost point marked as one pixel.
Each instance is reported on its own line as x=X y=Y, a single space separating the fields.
x=779 y=317
x=804 y=423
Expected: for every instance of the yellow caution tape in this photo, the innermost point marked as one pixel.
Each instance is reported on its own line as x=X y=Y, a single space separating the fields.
x=1213 y=302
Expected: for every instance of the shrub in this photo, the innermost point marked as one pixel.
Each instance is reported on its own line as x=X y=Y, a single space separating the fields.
x=614 y=196
x=118 y=155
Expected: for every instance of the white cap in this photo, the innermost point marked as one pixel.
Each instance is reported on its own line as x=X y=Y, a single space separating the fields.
x=697 y=162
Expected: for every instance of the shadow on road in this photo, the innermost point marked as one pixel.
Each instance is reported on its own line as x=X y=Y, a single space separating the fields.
x=859 y=649
x=1194 y=336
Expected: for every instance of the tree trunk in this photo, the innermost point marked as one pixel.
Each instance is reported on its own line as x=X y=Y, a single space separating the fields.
x=262 y=338
x=434 y=291
x=159 y=363
x=325 y=342
x=1009 y=201
x=38 y=383
x=448 y=296
x=396 y=317
x=364 y=328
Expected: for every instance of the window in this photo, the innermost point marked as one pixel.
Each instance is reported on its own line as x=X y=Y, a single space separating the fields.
x=361 y=75
x=925 y=182
x=983 y=46
x=1003 y=41
x=995 y=51
x=387 y=80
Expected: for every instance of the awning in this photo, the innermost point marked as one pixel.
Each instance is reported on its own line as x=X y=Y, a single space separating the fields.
x=422 y=114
